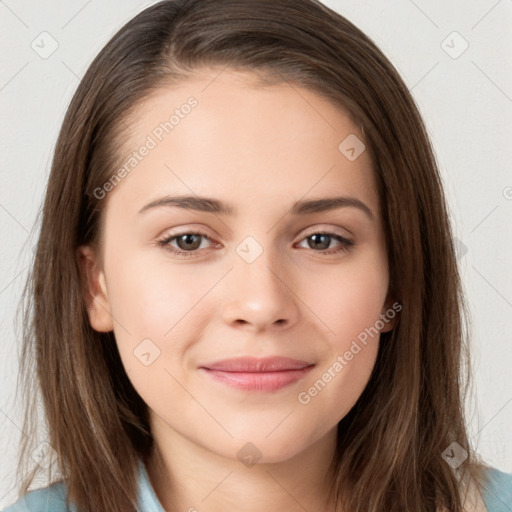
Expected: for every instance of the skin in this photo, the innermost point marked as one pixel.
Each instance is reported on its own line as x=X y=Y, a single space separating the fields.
x=260 y=149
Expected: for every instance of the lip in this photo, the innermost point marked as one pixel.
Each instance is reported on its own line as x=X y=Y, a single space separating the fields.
x=254 y=364
x=253 y=374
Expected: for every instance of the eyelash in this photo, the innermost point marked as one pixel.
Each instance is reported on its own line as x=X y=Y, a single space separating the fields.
x=346 y=244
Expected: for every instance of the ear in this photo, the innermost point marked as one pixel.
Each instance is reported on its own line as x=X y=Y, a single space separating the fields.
x=389 y=313
x=95 y=290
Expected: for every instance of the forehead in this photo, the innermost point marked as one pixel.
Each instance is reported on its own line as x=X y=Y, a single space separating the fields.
x=244 y=141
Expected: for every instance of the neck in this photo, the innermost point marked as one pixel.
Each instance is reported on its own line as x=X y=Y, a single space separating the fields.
x=188 y=477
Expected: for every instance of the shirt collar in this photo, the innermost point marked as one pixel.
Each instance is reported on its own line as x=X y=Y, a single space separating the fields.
x=148 y=501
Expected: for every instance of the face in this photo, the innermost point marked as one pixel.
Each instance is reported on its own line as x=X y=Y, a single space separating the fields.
x=269 y=278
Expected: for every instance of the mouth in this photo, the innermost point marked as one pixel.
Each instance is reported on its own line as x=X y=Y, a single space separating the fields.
x=252 y=374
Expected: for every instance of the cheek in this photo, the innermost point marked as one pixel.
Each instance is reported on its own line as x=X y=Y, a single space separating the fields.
x=348 y=300
x=351 y=348
x=157 y=312
x=153 y=300
x=348 y=303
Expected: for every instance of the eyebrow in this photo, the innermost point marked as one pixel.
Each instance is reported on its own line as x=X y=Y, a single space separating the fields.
x=210 y=205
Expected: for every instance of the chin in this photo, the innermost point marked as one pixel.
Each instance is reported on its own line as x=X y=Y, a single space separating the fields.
x=257 y=449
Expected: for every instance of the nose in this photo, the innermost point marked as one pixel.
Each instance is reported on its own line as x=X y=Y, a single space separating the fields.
x=260 y=295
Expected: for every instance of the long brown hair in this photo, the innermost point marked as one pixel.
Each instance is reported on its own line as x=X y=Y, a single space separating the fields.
x=391 y=444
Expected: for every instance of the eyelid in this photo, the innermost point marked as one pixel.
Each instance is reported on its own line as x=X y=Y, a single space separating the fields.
x=188 y=228
x=168 y=236
x=319 y=228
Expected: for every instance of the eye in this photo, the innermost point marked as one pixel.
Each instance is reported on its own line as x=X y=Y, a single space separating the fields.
x=322 y=239
x=189 y=242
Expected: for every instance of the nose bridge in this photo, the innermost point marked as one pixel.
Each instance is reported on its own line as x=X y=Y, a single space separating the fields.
x=258 y=264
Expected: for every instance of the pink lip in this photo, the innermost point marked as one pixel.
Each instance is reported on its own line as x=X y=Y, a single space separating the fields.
x=252 y=374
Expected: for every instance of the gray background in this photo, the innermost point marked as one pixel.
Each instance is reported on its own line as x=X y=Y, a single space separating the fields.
x=464 y=96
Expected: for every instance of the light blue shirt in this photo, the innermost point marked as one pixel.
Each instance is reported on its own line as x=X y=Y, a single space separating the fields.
x=497 y=497
x=53 y=498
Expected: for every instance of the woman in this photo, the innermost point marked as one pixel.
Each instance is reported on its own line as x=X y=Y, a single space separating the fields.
x=254 y=370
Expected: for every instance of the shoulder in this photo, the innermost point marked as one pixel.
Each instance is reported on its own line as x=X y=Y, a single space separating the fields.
x=54 y=497
x=48 y=499
x=498 y=492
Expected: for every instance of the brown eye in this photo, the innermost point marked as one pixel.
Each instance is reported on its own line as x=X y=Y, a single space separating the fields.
x=322 y=241
x=188 y=243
